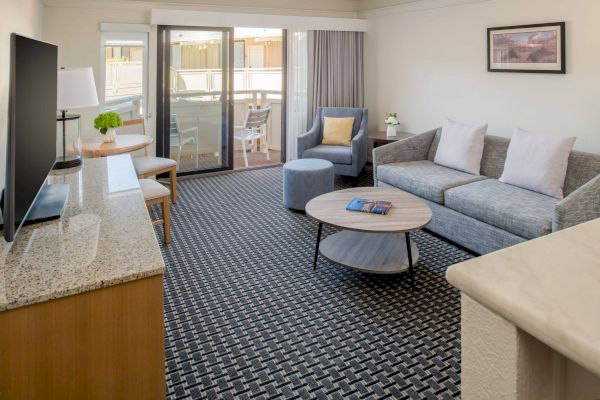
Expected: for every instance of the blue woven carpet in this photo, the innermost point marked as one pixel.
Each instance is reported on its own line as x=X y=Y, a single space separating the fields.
x=246 y=316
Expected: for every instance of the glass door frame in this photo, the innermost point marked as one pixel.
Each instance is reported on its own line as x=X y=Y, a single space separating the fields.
x=163 y=95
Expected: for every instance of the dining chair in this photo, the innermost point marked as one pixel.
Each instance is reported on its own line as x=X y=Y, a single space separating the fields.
x=253 y=129
x=155 y=193
x=181 y=137
x=148 y=166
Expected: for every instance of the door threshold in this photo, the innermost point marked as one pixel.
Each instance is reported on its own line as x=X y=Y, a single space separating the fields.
x=226 y=172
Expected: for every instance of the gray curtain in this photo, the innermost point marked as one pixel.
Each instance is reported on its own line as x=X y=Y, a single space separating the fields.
x=335 y=70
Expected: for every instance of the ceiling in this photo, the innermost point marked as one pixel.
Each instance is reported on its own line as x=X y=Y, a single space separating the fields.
x=346 y=8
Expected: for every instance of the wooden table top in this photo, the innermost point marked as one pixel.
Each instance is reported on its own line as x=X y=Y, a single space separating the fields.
x=122 y=144
x=381 y=136
x=408 y=212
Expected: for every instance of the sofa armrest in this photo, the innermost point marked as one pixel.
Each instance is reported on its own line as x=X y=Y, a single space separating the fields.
x=360 y=146
x=580 y=206
x=414 y=148
x=309 y=139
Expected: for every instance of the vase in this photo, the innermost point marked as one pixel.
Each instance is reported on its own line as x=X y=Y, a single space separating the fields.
x=391 y=130
x=109 y=136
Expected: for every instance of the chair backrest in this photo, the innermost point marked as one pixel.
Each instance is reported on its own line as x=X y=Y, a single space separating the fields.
x=174 y=125
x=341 y=112
x=133 y=127
x=257 y=118
x=581 y=168
x=174 y=131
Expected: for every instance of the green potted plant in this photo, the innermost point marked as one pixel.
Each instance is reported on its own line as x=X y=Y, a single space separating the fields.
x=106 y=124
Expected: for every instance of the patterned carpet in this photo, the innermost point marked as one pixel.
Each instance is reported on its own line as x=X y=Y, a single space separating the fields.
x=247 y=318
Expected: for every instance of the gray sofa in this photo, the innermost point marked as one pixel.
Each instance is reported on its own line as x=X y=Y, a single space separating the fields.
x=347 y=160
x=480 y=212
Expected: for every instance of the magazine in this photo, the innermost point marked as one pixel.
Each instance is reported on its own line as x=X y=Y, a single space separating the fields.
x=369 y=206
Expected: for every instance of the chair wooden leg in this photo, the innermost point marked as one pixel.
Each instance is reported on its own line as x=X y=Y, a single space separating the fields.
x=173 y=184
x=166 y=211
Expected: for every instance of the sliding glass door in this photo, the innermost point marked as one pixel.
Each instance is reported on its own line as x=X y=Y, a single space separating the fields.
x=195 y=113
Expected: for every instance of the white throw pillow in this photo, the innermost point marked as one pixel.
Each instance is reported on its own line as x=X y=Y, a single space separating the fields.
x=461 y=146
x=537 y=162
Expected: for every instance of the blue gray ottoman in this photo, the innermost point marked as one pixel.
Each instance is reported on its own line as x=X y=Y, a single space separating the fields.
x=305 y=179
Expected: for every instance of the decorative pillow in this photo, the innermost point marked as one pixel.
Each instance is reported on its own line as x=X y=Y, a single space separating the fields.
x=537 y=162
x=461 y=146
x=337 y=131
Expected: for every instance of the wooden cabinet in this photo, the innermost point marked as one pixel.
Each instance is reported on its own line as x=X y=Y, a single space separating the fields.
x=102 y=344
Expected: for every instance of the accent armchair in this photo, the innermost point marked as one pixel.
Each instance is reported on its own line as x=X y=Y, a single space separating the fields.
x=347 y=160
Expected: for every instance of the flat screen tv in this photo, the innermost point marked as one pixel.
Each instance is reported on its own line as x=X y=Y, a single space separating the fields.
x=31 y=145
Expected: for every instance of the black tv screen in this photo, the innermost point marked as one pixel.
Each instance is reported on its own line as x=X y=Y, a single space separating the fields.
x=31 y=147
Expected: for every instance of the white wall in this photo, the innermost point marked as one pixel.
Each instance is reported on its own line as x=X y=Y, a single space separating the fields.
x=75 y=27
x=25 y=18
x=76 y=31
x=430 y=64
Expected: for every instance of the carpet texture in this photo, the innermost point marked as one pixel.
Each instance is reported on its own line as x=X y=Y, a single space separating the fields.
x=246 y=317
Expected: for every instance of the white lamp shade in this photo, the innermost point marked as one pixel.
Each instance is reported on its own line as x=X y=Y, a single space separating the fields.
x=76 y=88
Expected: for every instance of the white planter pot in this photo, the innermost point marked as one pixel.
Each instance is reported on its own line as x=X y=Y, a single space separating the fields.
x=109 y=136
x=391 y=130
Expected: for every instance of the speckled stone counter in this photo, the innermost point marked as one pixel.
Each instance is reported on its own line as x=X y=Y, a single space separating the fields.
x=530 y=318
x=105 y=237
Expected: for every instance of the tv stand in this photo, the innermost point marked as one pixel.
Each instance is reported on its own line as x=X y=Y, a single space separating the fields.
x=81 y=297
x=49 y=203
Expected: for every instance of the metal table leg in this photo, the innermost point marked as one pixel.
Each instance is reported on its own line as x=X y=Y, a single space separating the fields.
x=410 y=261
x=317 y=247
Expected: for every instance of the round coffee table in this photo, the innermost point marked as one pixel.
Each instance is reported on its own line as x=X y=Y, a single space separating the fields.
x=377 y=244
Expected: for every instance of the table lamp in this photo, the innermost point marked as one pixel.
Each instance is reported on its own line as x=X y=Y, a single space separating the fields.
x=76 y=89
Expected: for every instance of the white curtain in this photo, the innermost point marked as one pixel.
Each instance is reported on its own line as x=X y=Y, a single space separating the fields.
x=297 y=89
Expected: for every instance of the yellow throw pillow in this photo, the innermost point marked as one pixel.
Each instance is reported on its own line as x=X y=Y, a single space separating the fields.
x=337 y=131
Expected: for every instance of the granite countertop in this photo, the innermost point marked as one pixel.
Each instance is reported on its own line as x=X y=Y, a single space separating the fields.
x=548 y=287
x=104 y=238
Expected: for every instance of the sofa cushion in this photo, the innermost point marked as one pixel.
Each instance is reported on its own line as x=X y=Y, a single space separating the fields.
x=423 y=178
x=344 y=112
x=461 y=146
x=337 y=131
x=335 y=154
x=519 y=211
x=537 y=162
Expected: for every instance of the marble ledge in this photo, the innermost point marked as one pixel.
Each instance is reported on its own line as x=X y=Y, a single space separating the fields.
x=104 y=238
x=548 y=287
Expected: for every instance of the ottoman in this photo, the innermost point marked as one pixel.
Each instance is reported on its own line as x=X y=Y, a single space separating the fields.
x=304 y=180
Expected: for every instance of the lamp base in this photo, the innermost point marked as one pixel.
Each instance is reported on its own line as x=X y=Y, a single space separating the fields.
x=68 y=162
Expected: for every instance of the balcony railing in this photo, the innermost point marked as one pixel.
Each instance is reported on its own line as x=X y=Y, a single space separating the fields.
x=210 y=80
x=196 y=100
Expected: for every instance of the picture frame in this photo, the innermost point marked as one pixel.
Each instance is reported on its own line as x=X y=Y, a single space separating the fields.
x=536 y=48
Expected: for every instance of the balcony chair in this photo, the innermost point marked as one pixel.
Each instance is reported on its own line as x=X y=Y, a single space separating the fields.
x=147 y=166
x=347 y=160
x=253 y=129
x=181 y=137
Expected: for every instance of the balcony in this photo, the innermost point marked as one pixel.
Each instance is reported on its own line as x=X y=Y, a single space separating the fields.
x=196 y=101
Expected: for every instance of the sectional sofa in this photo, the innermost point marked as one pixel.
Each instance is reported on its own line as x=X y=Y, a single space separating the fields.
x=478 y=211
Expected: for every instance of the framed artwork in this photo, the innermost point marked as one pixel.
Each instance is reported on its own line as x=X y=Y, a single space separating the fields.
x=527 y=48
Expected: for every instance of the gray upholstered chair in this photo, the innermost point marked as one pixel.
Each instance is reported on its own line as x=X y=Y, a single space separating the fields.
x=347 y=160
